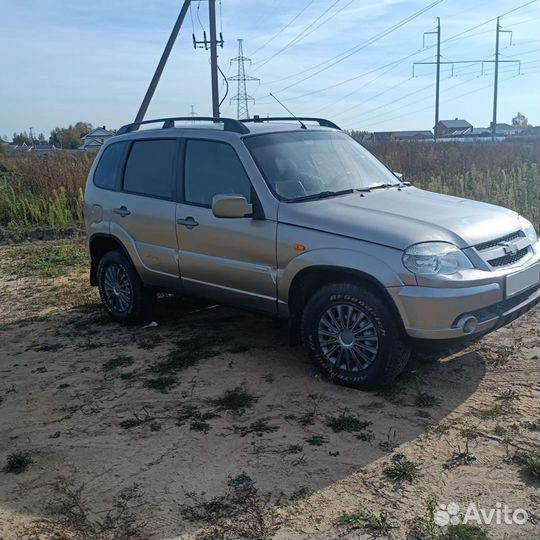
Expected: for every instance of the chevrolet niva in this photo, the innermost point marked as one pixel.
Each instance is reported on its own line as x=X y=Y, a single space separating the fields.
x=293 y=218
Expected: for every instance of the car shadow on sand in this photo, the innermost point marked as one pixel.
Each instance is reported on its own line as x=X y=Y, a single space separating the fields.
x=78 y=395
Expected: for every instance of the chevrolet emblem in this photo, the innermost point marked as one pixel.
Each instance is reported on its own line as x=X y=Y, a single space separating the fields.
x=510 y=248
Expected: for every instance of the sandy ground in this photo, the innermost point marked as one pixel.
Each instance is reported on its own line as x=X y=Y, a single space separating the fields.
x=59 y=403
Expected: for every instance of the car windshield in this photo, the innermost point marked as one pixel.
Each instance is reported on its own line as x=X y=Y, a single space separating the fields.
x=303 y=165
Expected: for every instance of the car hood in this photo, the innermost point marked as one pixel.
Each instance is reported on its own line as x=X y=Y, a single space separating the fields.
x=401 y=217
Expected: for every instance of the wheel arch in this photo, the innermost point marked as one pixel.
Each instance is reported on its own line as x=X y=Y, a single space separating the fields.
x=306 y=282
x=99 y=245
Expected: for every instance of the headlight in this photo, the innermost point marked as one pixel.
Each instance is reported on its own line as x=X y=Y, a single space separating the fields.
x=431 y=258
x=528 y=229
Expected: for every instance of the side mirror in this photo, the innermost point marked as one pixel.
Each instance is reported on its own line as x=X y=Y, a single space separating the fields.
x=231 y=206
x=398 y=174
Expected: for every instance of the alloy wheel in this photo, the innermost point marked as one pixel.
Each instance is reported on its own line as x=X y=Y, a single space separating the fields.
x=117 y=288
x=348 y=337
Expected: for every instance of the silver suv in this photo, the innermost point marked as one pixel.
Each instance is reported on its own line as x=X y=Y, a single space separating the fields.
x=293 y=218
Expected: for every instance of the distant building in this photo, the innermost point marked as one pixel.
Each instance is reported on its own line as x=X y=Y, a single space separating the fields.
x=418 y=135
x=453 y=128
x=94 y=139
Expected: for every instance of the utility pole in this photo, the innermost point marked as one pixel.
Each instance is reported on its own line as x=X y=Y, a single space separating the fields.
x=213 y=57
x=213 y=43
x=242 y=98
x=496 y=81
x=438 y=83
x=439 y=63
x=164 y=57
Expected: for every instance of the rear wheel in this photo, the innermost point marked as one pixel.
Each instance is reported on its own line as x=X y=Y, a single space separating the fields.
x=353 y=337
x=122 y=293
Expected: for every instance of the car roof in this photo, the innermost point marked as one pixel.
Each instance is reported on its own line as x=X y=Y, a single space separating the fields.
x=222 y=129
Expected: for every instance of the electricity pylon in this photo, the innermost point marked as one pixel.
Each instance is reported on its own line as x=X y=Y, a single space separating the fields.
x=242 y=98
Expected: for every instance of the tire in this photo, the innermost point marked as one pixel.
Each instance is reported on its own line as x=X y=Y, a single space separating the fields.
x=125 y=298
x=353 y=336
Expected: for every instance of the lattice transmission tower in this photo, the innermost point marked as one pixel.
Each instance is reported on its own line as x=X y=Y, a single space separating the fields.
x=242 y=98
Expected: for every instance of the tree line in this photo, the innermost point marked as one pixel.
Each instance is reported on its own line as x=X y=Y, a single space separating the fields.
x=68 y=137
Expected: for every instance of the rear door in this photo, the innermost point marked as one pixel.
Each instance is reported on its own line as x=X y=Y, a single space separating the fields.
x=228 y=260
x=143 y=211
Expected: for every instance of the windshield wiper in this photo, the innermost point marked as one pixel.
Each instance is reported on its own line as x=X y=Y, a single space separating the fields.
x=381 y=186
x=323 y=195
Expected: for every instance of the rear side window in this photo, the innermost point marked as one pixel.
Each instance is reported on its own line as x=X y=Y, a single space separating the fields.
x=109 y=166
x=213 y=168
x=150 y=168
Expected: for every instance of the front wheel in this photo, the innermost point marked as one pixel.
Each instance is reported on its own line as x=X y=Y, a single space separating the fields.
x=122 y=293
x=353 y=337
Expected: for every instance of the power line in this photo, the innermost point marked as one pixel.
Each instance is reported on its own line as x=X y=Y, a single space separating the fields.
x=283 y=28
x=353 y=50
x=391 y=118
x=396 y=62
x=461 y=83
x=301 y=35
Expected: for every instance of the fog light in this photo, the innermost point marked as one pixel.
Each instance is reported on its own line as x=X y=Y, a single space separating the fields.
x=468 y=324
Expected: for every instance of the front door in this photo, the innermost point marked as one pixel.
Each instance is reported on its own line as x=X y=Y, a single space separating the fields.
x=228 y=260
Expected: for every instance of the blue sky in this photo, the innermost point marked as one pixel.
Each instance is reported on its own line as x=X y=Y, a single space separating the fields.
x=92 y=61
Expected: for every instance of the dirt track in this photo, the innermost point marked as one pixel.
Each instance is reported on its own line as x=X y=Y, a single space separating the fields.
x=63 y=405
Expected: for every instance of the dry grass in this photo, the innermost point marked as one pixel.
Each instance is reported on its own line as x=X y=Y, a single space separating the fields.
x=70 y=518
x=48 y=190
x=504 y=173
x=43 y=190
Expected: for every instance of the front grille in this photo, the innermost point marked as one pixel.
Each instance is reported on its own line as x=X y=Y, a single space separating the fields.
x=509 y=259
x=494 y=243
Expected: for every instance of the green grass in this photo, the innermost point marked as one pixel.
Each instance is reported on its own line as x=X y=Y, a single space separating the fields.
x=347 y=423
x=198 y=421
x=130 y=423
x=185 y=355
x=464 y=531
x=402 y=469
x=377 y=526
x=47 y=261
x=240 y=480
x=119 y=361
x=424 y=400
x=530 y=464
x=301 y=493
x=18 y=462
x=316 y=440
x=161 y=384
x=531 y=426
x=235 y=401
x=259 y=427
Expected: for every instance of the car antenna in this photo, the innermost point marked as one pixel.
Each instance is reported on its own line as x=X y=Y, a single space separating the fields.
x=290 y=112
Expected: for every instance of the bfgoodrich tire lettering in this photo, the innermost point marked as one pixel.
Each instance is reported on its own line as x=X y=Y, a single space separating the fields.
x=122 y=293
x=371 y=346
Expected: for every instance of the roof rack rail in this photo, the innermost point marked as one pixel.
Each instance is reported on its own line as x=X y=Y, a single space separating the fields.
x=229 y=124
x=321 y=121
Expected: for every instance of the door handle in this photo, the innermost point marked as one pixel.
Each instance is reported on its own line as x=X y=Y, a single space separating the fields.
x=188 y=222
x=122 y=211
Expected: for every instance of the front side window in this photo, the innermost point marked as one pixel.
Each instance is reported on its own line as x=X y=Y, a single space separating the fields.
x=213 y=168
x=109 y=166
x=150 y=168
x=303 y=164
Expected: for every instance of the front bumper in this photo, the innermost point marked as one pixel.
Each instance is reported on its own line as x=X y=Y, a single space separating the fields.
x=439 y=313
